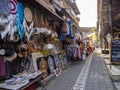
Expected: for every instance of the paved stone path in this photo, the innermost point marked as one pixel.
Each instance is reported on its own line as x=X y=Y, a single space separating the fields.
x=90 y=74
x=99 y=78
x=82 y=78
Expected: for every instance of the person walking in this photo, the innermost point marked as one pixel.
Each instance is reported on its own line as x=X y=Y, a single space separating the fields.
x=81 y=50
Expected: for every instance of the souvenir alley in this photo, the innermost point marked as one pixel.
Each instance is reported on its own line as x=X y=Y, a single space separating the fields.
x=38 y=38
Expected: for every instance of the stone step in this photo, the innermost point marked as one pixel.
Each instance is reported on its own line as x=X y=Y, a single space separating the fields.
x=114 y=72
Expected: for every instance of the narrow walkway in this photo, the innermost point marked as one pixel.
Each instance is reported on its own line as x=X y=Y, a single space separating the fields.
x=90 y=74
x=67 y=79
x=99 y=78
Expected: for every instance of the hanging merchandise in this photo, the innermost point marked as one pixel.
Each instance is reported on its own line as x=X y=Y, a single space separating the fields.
x=51 y=64
x=3 y=22
x=60 y=65
x=64 y=28
x=19 y=20
x=28 y=14
x=2 y=66
x=16 y=37
x=61 y=35
x=36 y=19
x=64 y=59
x=25 y=64
x=10 y=53
x=20 y=27
x=11 y=33
x=70 y=29
x=20 y=12
x=11 y=56
x=46 y=23
x=57 y=60
x=28 y=29
x=43 y=66
x=67 y=24
x=74 y=51
x=8 y=7
x=42 y=23
x=7 y=23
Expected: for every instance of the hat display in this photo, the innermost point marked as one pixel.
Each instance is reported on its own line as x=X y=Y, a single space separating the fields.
x=12 y=57
x=28 y=14
x=49 y=46
x=2 y=51
x=20 y=11
x=8 y=7
x=16 y=38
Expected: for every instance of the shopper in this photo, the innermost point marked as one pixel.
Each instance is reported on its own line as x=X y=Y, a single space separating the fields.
x=81 y=50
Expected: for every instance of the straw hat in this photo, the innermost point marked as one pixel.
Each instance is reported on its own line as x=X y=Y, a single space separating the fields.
x=10 y=58
x=16 y=37
x=10 y=54
x=28 y=14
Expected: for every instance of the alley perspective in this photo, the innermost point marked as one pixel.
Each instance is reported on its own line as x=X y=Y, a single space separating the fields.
x=89 y=74
x=59 y=44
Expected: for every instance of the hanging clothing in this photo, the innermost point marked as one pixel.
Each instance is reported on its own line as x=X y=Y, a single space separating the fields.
x=2 y=66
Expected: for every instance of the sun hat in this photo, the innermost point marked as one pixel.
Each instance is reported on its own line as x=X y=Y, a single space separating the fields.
x=8 y=7
x=12 y=57
x=28 y=14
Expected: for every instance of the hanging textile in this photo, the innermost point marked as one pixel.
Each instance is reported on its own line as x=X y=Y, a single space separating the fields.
x=20 y=20
x=2 y=66
x=70 y=29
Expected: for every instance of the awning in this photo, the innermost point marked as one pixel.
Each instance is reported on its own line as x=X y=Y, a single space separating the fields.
x=49 y=9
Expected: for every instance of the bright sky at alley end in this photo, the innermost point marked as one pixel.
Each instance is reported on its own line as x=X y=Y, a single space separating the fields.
x=88 y=10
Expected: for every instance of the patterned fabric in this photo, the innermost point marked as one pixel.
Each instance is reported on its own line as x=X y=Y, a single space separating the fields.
x=51 y=65
x=25 y=64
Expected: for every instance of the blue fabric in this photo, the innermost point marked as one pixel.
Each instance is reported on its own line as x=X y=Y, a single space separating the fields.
x=20 y=27
x=70 y=30
x=61 y=36
x=20 y=11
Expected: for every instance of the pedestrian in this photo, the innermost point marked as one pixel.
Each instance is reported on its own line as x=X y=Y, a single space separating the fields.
x=81 y=50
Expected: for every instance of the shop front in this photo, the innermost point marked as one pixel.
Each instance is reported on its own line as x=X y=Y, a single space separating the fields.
x=31 y=46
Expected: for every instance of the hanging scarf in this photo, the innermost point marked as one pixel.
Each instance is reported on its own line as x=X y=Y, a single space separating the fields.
x=20 y=27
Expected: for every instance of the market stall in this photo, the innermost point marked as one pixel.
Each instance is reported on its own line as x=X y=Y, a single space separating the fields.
x=29 y=44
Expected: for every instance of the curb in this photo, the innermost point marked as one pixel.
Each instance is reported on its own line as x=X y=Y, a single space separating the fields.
x=110 y=75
